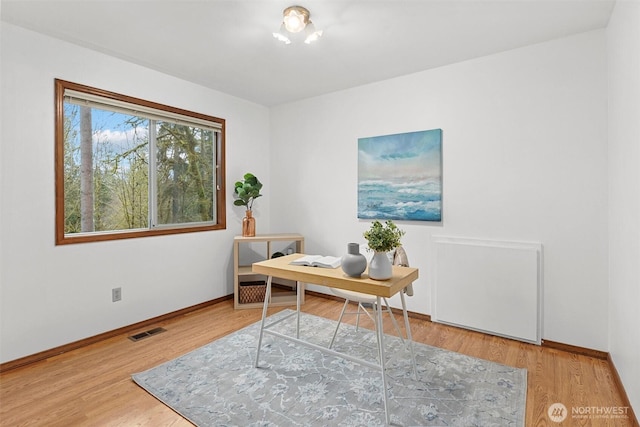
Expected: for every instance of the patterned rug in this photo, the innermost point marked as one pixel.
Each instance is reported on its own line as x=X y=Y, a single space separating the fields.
x=217 y=385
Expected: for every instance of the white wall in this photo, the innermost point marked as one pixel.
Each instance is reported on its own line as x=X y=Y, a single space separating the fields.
x=525 y=158
x=55 y=295
x=623 y=48
x=1 y=185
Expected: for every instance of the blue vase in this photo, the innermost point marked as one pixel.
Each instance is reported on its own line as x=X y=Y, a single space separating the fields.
x=353 y=263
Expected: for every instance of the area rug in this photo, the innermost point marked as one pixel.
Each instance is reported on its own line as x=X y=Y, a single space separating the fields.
x=217 y=385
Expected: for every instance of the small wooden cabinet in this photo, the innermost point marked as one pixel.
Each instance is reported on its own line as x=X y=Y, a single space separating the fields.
x=246 y=251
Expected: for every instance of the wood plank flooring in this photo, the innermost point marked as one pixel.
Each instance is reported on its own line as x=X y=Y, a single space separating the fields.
x=92 y=386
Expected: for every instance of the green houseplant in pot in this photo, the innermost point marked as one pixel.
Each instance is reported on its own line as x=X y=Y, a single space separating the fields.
x=382 y=238
x=246 y=192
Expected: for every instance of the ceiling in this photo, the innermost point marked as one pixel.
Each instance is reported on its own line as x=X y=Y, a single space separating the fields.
x=227 y=44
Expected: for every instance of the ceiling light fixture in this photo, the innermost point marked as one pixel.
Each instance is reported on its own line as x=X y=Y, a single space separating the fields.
x=294 y=20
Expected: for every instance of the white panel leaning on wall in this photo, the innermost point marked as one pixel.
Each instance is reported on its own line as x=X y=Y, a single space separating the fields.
x=488 y=285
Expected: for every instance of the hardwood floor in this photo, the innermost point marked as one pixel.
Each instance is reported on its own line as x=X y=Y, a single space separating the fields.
x=92 y=386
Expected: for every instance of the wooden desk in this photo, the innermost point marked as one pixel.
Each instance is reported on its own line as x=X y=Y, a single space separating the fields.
x=336 y=278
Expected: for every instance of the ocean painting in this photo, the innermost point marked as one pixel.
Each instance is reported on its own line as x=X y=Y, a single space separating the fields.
x=400 y=176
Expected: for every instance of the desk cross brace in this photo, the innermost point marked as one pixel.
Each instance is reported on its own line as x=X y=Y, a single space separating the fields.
x=380 y=335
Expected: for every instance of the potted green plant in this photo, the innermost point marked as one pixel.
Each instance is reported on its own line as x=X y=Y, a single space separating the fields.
x=382 y=238
x=246 y=192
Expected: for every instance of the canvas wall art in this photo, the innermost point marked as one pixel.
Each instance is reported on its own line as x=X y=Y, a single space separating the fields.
x=400 y=176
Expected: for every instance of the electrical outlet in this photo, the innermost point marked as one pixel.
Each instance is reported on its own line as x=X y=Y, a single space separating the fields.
x=116 y=294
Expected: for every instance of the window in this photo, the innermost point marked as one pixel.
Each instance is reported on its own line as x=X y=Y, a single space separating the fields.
x=127 y=168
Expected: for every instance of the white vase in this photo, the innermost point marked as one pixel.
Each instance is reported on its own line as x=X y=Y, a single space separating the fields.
x=380 y=266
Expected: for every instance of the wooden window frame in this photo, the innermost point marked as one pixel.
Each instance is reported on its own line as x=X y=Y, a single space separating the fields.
x=62 y=239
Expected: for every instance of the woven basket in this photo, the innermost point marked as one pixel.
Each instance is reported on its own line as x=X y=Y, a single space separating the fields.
x=250 y=292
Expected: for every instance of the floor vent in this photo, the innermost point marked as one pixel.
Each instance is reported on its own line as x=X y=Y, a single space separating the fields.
x=146 y=334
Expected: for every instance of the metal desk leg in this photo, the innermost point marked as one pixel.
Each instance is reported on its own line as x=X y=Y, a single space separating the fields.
x=408 y=328
x=382 y=358
x=298 y=297
x=267 y=297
